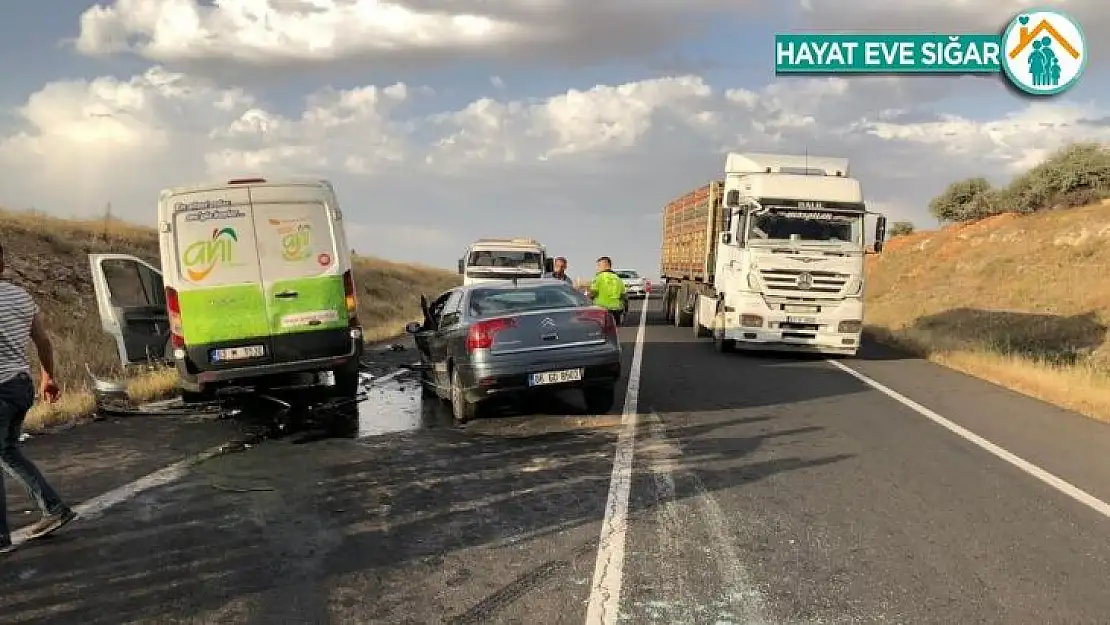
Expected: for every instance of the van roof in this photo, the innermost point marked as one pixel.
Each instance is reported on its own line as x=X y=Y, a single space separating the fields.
x=245 y=181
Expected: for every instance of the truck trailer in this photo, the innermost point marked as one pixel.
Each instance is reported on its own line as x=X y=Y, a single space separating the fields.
x=772 y=257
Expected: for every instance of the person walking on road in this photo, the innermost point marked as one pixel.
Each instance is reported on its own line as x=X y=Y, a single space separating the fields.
x=607 y=289
x=560 y=270
x=21 y=323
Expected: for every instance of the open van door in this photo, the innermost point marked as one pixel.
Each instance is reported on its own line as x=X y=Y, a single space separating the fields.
x=131 y=300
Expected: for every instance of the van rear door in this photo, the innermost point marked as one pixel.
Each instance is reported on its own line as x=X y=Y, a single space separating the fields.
x=297 y=228
x=219 y=286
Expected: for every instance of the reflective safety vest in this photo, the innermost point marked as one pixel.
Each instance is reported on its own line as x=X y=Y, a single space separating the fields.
x=609 y=289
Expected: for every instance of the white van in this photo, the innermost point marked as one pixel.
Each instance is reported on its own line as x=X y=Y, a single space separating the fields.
x=256 y=289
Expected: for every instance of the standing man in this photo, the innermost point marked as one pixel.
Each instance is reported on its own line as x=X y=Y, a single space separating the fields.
x=21 y=323
x=607 y=289
x=560 y=270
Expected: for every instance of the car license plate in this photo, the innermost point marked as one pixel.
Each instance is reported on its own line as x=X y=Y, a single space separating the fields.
x=802 y=320
x=794 y=308
x=237 y=353
x=555 y=377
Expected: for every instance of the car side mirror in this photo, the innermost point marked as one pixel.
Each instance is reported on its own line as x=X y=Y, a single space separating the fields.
x=413 y=327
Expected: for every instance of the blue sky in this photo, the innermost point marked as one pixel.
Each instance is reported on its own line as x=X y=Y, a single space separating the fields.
x=423 y=171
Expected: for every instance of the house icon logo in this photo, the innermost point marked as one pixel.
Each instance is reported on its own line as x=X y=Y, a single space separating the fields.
x=1044 y=52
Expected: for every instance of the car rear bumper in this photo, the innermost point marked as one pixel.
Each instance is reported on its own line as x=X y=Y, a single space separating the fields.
x=636 y=292
x=487 y=380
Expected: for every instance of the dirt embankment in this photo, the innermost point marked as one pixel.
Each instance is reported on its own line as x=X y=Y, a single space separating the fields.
x=48 y=257
x=1022 y=301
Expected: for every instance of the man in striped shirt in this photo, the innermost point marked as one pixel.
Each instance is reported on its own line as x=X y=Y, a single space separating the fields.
x=20 y=324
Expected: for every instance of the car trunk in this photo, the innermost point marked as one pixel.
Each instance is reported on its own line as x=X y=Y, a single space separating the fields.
x=549 y=330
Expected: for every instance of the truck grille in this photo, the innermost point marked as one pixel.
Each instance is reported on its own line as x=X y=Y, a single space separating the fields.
x=792 y=282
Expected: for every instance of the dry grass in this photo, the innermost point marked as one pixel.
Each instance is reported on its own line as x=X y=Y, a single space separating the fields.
x=47 y=255
x=1021 y=301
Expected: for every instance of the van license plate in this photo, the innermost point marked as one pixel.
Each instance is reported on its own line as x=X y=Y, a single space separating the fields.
x=237 y=353
x=555 y=377
x=802 y=320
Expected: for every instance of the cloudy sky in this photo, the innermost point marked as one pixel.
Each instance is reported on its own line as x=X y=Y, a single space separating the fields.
x=572 y=121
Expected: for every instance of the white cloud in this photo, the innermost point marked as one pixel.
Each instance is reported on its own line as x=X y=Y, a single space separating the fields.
x=572 y=167
x=283 y=32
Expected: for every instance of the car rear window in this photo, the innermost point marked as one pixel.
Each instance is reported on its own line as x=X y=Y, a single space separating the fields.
x=488 y=302
x=628 y=274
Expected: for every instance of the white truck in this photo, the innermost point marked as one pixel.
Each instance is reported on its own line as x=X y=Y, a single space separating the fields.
x=771 y=258
x=488 y=260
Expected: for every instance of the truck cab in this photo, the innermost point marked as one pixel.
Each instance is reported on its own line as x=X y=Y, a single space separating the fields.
x=788 y=267
x=489 y=260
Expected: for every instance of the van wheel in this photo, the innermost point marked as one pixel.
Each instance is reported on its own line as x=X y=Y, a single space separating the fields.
x=343 y=420
x=461 y=409
x=600 y=398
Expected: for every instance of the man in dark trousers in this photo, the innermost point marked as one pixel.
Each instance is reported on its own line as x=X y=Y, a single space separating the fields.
x=20 y=324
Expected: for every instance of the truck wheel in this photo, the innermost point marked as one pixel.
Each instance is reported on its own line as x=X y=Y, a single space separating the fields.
x=720 y=343
x=682 y=319
x=700 y=331
x=599 y=398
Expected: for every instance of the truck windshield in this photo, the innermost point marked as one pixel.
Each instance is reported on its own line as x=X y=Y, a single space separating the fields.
x=825 y=227
x=505 y=259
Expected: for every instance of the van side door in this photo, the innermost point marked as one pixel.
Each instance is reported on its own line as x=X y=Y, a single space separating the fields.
x=131 y=302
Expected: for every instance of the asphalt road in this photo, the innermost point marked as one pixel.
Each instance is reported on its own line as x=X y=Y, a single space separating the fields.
x=761 y=490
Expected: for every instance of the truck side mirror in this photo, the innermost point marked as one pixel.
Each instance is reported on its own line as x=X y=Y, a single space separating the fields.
x=549 y=265
x=732 y=200
x=880 y=233
x=462 y=267
x=726 y=238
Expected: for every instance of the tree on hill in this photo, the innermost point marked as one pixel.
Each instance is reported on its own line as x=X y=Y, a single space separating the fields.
x=901 y=228
x=1075 y=175
x=966 y=200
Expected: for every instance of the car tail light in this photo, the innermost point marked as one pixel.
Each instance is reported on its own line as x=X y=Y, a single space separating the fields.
x=601 y=317
x=173 y=307
x=350 y=297
x=481 y=334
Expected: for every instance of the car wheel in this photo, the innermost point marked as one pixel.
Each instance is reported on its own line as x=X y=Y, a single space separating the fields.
x=600 y=398
x=461 y=409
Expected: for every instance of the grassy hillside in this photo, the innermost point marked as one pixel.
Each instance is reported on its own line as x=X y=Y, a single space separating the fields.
x=47 y=256
x=1020 y=300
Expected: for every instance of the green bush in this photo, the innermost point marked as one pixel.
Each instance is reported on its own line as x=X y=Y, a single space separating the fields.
x=967 y=200
x=901 y=228
x=1075 y=175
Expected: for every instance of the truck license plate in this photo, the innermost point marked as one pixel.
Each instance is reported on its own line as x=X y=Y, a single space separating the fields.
x=237 y=353
x=555 y=377
x=795 y=308
x=802 y=320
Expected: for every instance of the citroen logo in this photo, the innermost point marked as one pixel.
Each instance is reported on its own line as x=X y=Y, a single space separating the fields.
x=805 y=280
x=547 y=322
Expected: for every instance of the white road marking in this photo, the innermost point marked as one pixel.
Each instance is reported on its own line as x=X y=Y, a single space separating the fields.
x=96 y=506
x=741 y=595
x=1059 y=484
x=605 y=592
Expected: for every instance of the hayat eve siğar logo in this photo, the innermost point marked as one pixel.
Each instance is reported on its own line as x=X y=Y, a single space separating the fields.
x=1044 y=52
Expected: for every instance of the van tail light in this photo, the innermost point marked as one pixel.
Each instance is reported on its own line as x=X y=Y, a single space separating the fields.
x=350 y=298
x=481 y=334
x=601 y=317
x=173 y=307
